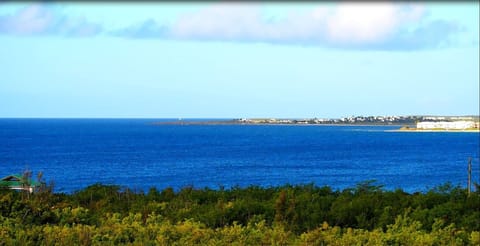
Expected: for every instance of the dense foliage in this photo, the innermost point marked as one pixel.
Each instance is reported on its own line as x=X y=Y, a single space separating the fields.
x=287 y=215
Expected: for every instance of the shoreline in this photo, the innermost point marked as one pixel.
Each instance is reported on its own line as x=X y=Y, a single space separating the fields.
x=214 y=123
x=444 y=130
x=263 y=124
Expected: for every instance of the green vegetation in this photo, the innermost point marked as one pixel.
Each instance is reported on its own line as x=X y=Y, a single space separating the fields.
x=287 y=215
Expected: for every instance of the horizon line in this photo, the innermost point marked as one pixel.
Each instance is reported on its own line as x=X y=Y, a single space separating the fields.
x=263 y=117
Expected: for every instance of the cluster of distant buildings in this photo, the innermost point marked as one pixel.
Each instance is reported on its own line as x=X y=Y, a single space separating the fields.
x=378 y=119
x=383 y=120
x=344 y=120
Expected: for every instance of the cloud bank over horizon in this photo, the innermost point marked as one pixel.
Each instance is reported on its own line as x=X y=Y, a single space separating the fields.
x=347 y=25
x=38 y=19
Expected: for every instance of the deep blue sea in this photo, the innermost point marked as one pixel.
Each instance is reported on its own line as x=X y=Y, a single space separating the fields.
x=75 y=153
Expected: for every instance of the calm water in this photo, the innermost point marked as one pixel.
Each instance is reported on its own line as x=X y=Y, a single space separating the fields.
x=76 y=153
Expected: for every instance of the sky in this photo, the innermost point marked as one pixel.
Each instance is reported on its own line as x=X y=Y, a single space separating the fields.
x=238 y=60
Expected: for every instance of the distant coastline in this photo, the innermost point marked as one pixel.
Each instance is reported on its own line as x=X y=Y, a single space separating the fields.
x=346 y=121
x=407 y=123
x=230 y=122
x=233 y=122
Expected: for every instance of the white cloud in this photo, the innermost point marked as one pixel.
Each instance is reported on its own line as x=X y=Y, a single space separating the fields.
x=224 y=21
x=345 y=23
x=41 y=19
x=31 y=19
x=362 y=22
x=369 y=25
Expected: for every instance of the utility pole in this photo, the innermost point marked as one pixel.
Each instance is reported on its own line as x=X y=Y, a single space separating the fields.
x=469 y=188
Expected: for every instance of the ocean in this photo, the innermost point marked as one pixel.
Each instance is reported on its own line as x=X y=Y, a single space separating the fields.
x=135 y=153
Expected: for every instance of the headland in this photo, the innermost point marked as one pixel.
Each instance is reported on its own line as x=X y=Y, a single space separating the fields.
x=406 y=123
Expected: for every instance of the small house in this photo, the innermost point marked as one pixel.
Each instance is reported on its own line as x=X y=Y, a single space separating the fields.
x=18 y=182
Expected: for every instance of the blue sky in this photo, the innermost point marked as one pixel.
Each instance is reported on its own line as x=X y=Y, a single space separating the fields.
x=232 y=60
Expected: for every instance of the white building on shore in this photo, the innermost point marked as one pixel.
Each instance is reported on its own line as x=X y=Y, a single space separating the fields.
x=454 y=125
